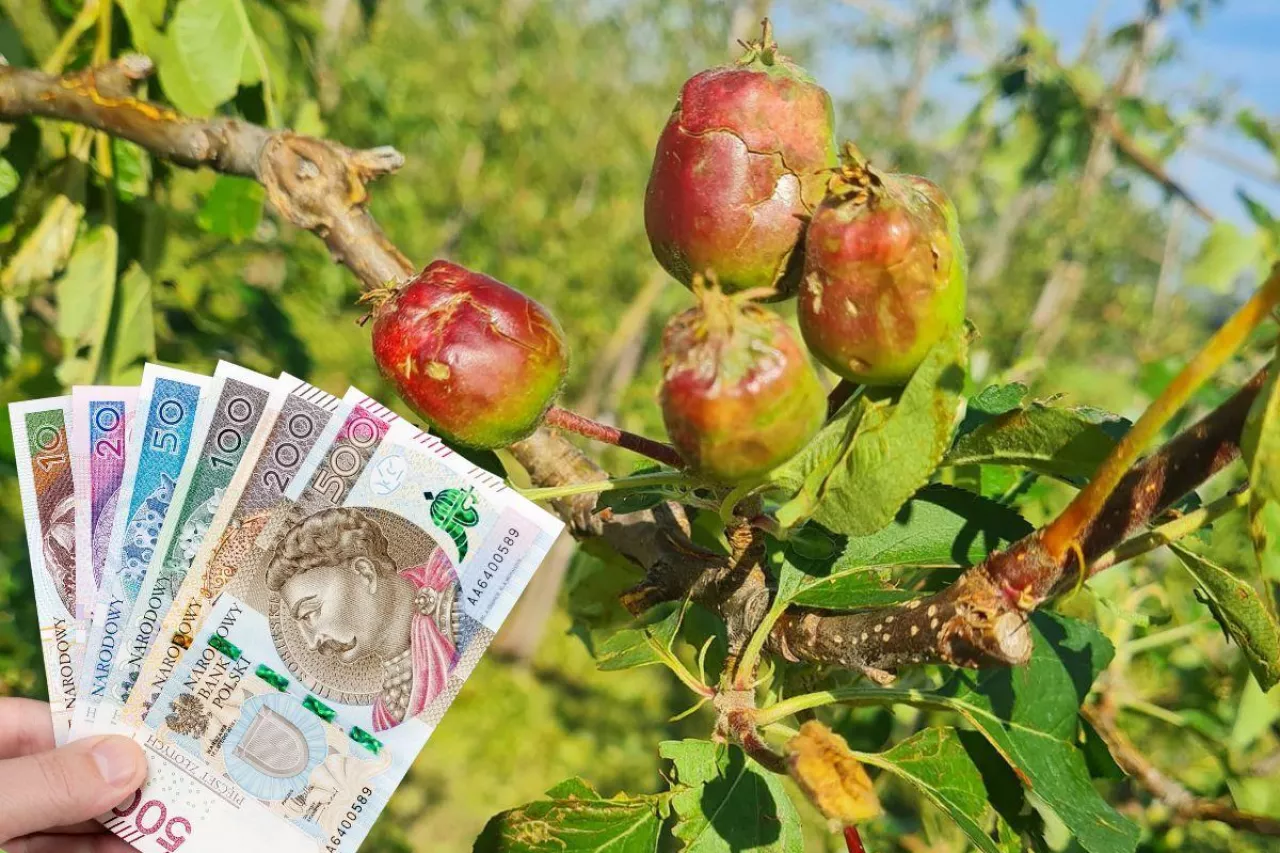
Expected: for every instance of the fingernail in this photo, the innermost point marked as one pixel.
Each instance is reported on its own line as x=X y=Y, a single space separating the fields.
x=117 y=759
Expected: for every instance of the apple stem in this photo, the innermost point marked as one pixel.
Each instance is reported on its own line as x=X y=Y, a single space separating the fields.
x=574 y=422
x=853 y=840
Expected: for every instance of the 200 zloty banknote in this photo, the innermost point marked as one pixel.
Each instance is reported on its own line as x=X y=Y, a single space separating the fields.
x=42 y=451
x=357 y=607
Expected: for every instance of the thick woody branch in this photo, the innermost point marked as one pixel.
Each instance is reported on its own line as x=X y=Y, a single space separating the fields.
x=981 y=619
x=1186 y=805
x=314 y=183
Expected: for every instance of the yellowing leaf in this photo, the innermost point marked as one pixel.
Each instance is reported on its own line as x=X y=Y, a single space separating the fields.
x=820 y=762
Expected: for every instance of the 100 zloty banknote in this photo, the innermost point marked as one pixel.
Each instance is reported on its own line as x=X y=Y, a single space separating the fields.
x=235 y=403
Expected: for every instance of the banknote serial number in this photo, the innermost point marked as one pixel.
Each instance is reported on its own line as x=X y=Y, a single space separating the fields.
x=349 y=819
x=491 y=568
x=152 y=817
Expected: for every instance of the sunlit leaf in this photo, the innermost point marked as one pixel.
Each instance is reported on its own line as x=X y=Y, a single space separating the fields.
x=1241 y=612
x=941 y=527
x=935 y=763
x=233 y=208
x=209 y=40
x=85 y=293
x=575 y=819
x=726 y=802
x=131 y=339
x=1061 y=442
x=1224 y=256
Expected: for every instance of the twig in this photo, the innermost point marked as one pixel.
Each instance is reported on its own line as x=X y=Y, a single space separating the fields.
x=1186 y=805
x=573 y=422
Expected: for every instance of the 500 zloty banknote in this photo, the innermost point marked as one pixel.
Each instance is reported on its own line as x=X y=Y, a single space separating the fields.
x=43 y=455
x=357 y=608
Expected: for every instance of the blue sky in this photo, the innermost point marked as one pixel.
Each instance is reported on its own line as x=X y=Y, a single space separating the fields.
x=1236 y=49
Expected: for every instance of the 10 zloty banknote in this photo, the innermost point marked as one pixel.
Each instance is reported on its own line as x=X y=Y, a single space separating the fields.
x=42 y=451
x=332 y=594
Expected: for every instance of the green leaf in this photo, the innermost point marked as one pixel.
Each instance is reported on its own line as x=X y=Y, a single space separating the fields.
x=941 y=527
x=1255 y=712
x=84 y=295
x=648 y=643
x=131 y=339
x=1224 y=255
x=1029 y=715
x=725 y=802
x=208 y=40
x=1260 y=131
x=1241 y=613
x=1060 y=442
x=46 y=248
x=803 y=476
x=576 y=819
x=233 y=208
x=1260 y=445
x=132 y=169
x=935 y=762
x=894 y=450
x=9 y=178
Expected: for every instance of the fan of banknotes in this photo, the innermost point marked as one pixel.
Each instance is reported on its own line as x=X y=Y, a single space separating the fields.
x=276 y=592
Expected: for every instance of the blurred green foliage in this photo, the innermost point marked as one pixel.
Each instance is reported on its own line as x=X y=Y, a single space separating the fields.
x=528 y=127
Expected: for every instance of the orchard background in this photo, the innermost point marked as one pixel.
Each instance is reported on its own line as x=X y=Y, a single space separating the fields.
x=1095 y=168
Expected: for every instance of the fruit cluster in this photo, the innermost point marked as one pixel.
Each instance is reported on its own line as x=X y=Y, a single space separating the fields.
x=747 y=202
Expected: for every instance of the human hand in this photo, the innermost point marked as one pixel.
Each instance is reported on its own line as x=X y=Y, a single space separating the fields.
x=48 y=796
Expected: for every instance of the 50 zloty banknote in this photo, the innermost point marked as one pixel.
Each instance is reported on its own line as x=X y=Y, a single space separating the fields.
x=357 y=606
x=168 y=403
x=43 y=454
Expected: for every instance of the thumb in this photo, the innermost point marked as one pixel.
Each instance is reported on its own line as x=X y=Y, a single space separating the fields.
x=82 y=780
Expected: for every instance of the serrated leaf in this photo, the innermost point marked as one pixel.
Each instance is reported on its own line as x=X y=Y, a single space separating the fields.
x=1060 y=442
x=648 y=643
x=131 y=340
x=893 y=451
x=935 y=763
x=1225 y=254
x=1029 y=714
x=233 y=208
x=84 y=294
x=576 y=819
x=802 y=477
x=209 y=40
x=1241 y=613
x=725 y=802
x=941 y=527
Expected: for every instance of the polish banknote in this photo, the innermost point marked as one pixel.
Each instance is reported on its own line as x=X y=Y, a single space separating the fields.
x=168 y=406
x=100 y=420
x=296 y=418
x=43 y=454
x=356 y=607
x=234 y=405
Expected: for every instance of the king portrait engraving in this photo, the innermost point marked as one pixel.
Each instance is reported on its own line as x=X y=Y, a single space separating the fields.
x=337 y=583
